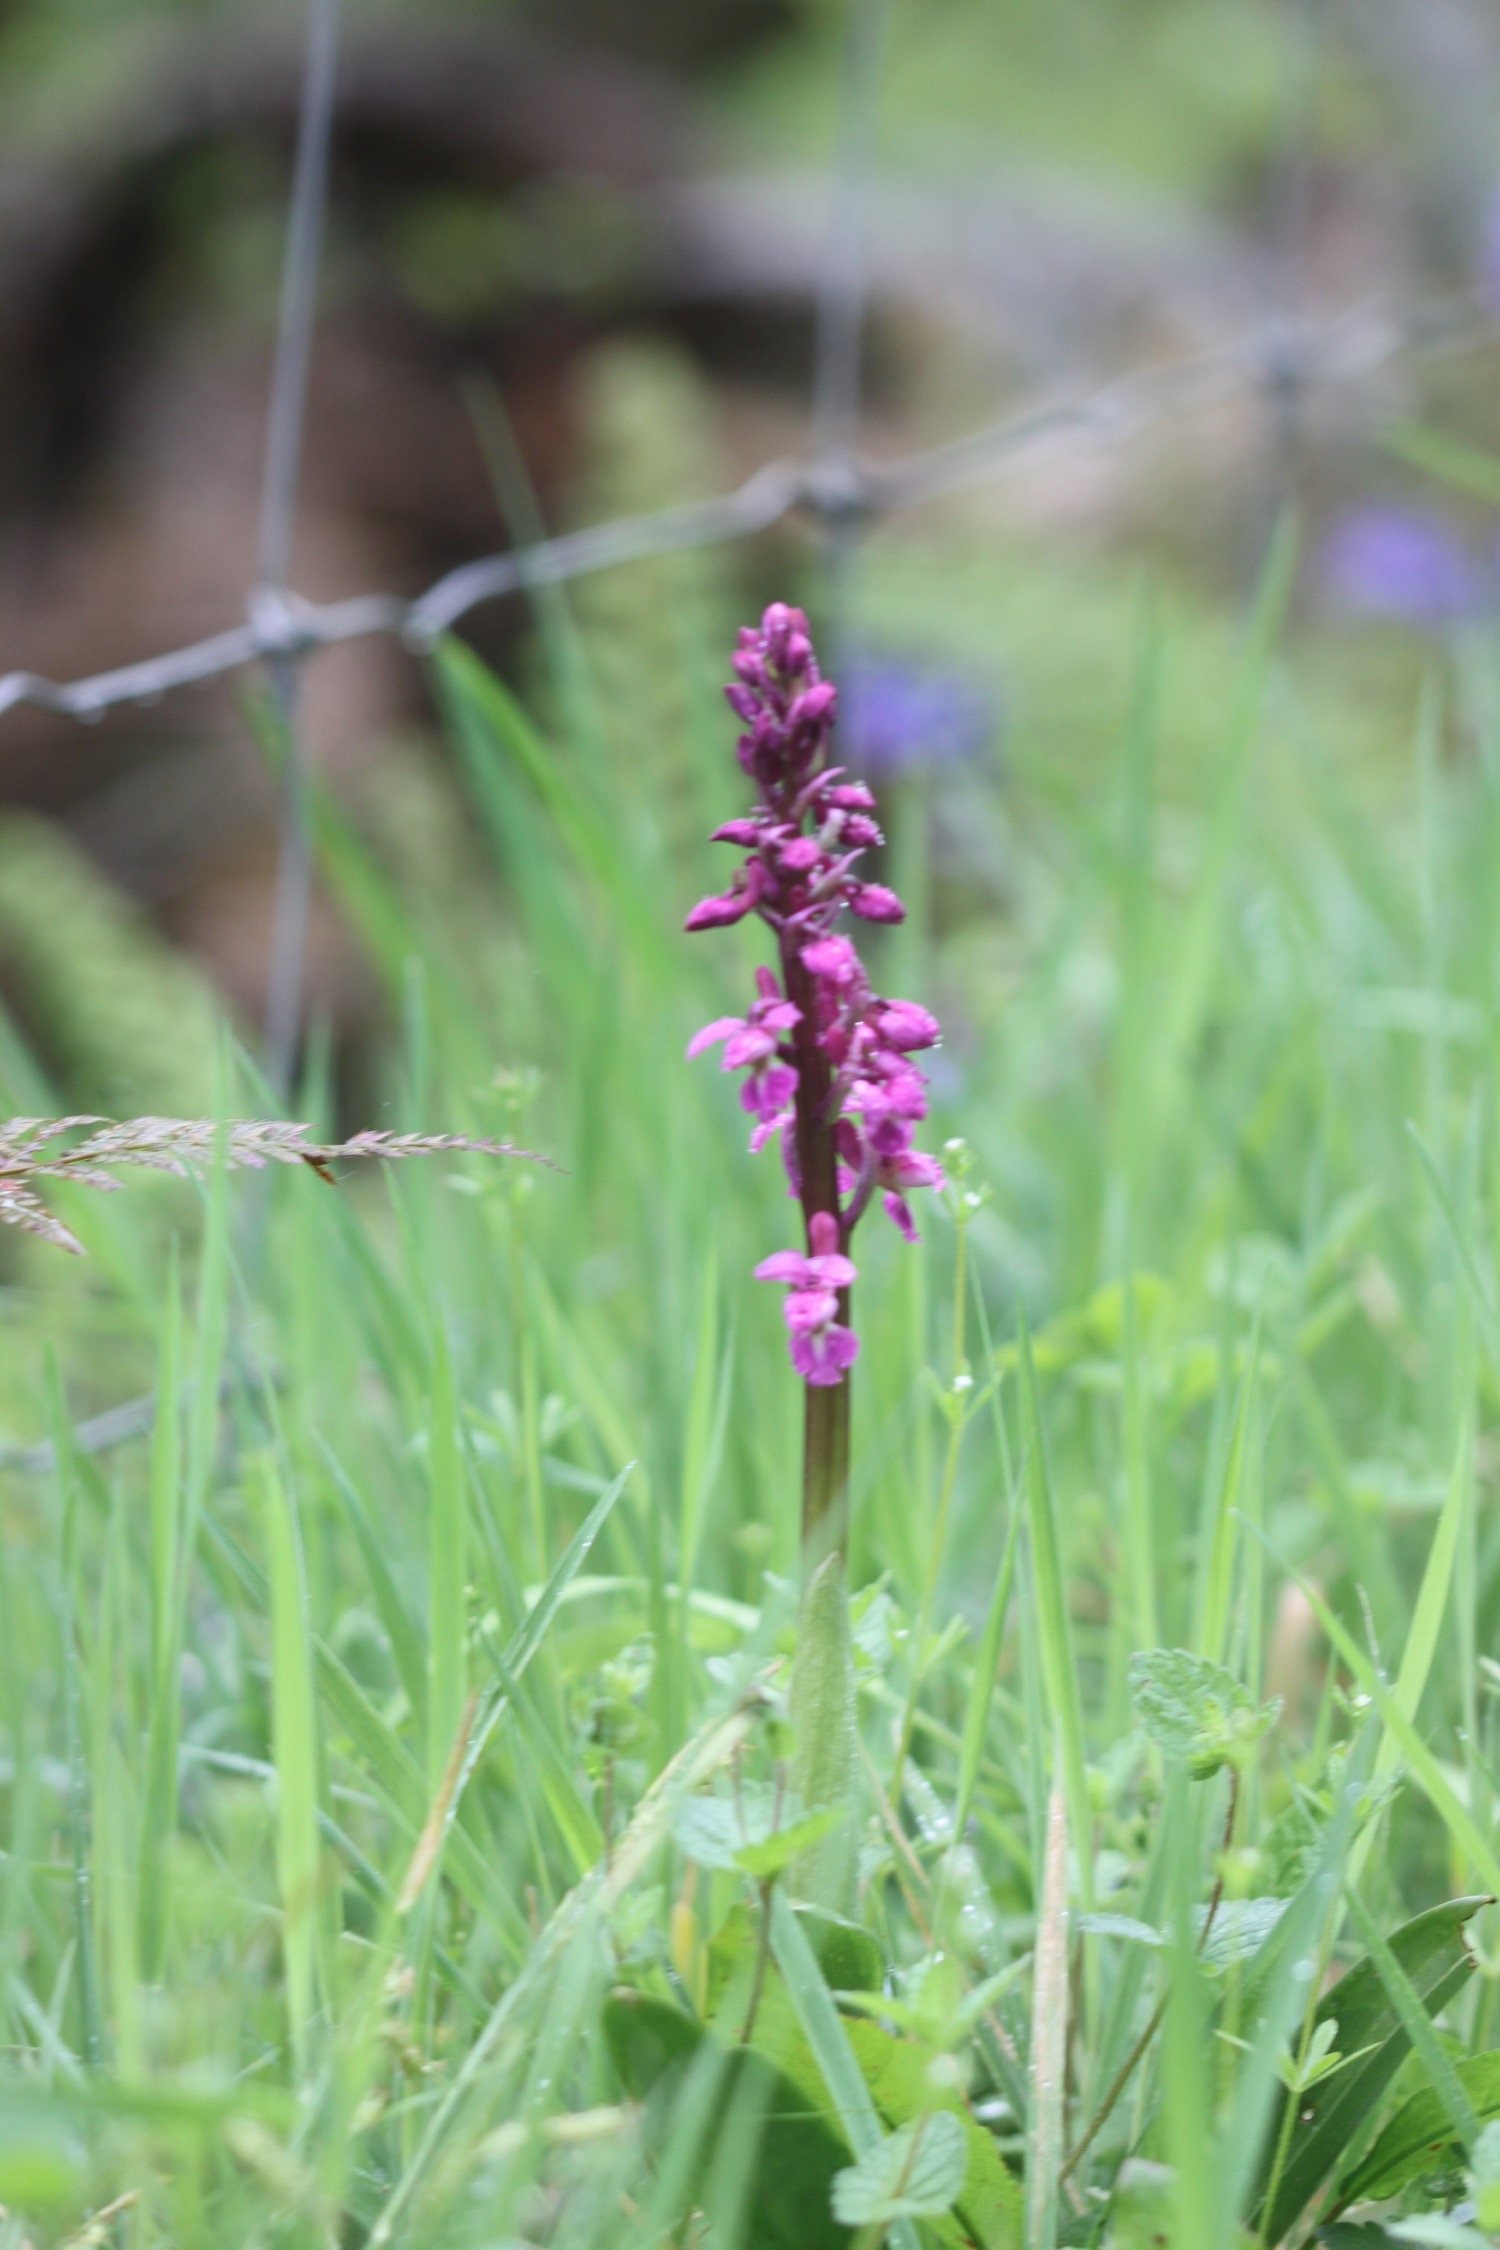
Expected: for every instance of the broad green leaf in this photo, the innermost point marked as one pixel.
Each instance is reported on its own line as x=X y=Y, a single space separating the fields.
x=848 y=1956
x=1437 y=1963
x=802 y=2151
x=1195 y=1711
x=905 y=2079
x=914 y=2173
x=908 y=2080
x=1420 y=2136
x=828 y=2037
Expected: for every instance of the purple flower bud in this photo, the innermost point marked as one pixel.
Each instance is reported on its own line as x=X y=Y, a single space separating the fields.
x=833 y=958
x=904 y=1025
x=718 y=912
x=874 y=902
x=801 y=855
x=745 y=833
x=814 y=707
x=823 y=1234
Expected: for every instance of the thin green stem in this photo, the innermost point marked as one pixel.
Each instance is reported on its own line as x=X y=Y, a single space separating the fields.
x=937 y=1546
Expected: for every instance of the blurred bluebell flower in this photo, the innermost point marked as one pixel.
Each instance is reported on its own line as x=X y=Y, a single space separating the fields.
x=895 y=718
x=1403 y=563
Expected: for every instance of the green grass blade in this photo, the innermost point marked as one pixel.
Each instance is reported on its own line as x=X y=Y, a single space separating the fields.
x=1054 y=1633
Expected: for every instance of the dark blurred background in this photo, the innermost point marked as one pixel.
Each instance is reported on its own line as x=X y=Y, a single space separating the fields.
x=572 y=267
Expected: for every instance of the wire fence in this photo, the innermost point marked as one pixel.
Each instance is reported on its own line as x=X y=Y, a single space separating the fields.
x=840 y=492
x=1348 y=349
x=837 y=488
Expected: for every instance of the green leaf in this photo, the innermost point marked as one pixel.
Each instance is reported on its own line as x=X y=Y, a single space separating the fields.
x=1239 y=1929
x=1436 y=1963
x=294 y=1747
x=822 y=1703
x=1484 y=2176
x=764 y=1860
x=1059 y=1667
x=848 y=1956
x=829 y=2039
x=1195 y=1711
x=1470 y=469
x=909 y=2080
x=914 y=2173
x=758 y=1831
x=790 y=2188
x=905 y=2078
x=1420 y=2136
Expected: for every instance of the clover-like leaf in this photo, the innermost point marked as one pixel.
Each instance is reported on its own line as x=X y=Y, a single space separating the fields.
x=914 y=2173
x=1195 y=1711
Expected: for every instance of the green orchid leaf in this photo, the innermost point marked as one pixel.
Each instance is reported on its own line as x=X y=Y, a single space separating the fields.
x=1437 y=1963
x=1420 y=2137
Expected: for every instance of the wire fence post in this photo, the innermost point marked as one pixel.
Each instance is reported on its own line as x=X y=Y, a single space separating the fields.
x=838 y=357
x=271 y=613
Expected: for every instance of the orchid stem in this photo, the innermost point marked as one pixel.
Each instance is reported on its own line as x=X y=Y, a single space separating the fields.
x=825 y=1449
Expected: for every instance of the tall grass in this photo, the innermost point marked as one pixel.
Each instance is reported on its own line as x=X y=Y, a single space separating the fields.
x=355 y=1720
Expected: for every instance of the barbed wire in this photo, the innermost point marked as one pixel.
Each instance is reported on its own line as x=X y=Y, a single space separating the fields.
x=837 y=488
x=1347 y=348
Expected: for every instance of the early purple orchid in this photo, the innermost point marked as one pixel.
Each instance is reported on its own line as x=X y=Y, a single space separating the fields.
x=829 y=1061
x=823 y=1350
x=752 y=1042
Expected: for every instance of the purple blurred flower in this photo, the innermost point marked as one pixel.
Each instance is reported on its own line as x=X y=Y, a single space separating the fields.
x=896 y=718
x=1405 y=563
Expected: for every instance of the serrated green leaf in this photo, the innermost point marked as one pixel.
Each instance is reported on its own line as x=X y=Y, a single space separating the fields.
x=914 y=2173
x=1194 y=1710
x=907 y=2081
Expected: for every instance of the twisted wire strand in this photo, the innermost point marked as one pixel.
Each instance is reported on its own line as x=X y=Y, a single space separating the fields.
x=1350 y=348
